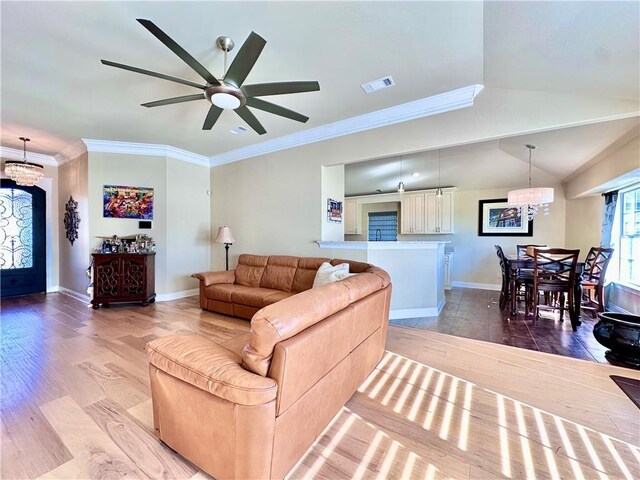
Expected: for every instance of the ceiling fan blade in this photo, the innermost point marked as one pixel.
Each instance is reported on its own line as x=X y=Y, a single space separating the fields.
x=153 y=74
x=251 y=120
x=212 y=117
x=179 y=51
x=245 y=59
x=169 y=101
x=276 y=109
x=279 y=88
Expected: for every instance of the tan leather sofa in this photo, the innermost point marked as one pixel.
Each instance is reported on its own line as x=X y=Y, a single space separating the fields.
x=250 y=407
x=259 y=281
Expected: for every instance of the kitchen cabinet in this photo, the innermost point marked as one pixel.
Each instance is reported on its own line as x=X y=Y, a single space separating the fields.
x=352 y=216
x=439 y=215
x=412 y=213
x=123 y=277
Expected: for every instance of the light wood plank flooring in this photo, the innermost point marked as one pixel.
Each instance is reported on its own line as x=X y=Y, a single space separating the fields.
x=76 y=403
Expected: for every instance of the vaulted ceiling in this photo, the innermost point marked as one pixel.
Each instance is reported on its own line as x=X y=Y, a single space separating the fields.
x=55 y=90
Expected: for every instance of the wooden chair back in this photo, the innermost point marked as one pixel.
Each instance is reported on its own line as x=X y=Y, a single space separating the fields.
x=554 y=269
x=596 y=264
x=521 y=250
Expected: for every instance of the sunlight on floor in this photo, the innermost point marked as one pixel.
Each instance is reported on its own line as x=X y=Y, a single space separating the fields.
x=501 y=434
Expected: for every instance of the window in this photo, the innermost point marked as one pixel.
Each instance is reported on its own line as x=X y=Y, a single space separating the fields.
x=629 y=245
x=383 y=226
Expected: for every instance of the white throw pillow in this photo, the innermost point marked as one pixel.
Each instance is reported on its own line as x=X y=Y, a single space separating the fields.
x=328 y=273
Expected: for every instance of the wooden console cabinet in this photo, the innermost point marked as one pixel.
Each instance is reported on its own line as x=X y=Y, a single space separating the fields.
x=123 y=277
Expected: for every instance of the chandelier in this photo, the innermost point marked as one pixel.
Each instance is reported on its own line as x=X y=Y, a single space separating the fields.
x=531 y=198
x=24 y=173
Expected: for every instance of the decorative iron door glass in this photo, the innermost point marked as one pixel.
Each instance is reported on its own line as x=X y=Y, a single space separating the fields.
x=128 y=202
x=22 y=255
x=498 y=218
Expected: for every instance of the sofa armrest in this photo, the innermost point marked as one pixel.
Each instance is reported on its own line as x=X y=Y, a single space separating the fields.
x=209 y=278
x=210 y=367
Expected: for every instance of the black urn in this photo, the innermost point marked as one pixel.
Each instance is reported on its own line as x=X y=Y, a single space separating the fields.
x=621 y=334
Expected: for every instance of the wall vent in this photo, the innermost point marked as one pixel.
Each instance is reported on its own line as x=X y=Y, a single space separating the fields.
x=379 y=84
x=238 y=130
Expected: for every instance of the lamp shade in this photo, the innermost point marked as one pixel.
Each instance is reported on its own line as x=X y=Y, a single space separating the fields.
x=530 y=196
x=224 y=236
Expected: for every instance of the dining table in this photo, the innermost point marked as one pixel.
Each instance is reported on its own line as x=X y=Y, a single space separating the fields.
x=525 y=261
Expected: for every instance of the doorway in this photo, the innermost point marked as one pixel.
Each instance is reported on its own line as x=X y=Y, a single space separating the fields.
x=22 y=239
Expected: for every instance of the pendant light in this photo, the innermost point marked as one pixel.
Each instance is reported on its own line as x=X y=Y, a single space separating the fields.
x=439 y=189
x=531 y=198
x=24 y=173
x=400 y=183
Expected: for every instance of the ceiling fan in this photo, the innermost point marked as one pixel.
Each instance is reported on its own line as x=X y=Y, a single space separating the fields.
x=229 y=91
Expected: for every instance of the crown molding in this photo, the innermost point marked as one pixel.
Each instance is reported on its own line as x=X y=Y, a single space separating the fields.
x=153 y=149
x=15 y=154
x=72 y=151
x=443 y=102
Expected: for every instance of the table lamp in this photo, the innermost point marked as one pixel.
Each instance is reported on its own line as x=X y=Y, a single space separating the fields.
x=225 y=236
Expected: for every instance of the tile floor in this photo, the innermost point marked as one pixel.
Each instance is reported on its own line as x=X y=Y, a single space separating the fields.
x=475 y=314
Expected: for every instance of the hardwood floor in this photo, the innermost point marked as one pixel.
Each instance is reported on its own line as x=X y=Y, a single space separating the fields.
x=76 y=403
x=473 y=313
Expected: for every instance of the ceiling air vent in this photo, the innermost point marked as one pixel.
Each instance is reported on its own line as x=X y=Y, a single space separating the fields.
x=379 y=84
x=238 y=130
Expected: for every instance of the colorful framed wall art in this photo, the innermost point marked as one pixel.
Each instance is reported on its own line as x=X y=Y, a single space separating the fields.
x=127 y=202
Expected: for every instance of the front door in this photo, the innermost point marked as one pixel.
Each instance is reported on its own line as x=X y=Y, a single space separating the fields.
x=22 y=239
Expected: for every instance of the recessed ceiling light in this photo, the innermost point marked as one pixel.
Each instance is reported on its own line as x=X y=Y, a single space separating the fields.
x=415 y=174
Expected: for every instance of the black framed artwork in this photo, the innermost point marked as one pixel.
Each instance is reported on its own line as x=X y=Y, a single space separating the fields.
x=496 y=218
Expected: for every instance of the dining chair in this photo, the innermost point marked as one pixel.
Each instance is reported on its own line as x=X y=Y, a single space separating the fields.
x=592 y=280
x=554 y=272
x=521 y=280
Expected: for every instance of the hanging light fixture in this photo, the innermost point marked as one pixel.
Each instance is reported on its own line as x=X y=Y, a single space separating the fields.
x=400 y=183
x=24 y=173
x=531 y=198
x=439 y=189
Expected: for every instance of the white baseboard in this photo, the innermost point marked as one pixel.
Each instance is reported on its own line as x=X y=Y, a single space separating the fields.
x=480 y=286
x=53 y=289
x=611 y=307
x=416 y=312
x=77 y=295
x=165 y=297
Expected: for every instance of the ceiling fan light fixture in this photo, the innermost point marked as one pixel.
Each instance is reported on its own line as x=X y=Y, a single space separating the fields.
x=225 y=100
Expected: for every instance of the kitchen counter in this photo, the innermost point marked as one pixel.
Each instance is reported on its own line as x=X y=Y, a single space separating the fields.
x=416 y=269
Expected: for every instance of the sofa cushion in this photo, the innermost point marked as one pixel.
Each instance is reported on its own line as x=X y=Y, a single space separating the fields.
x=251 y=296
x=276 y=297
x=210 y=367
x=328 y=273
x=220 y=292
x=354 y=267
x=279 y=273
x=250 y=269
x=306 y=273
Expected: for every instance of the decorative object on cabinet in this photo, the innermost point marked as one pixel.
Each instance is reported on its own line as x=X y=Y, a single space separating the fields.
x=334 y=211
x=531 y=199
x=122 y=278
x=71 y=219
x=127 y=202
x=225 y=236
x=498 y=218
x=24 y=173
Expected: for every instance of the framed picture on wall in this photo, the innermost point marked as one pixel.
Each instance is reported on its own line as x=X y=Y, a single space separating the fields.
x=127 y=202
x=496 y=218
x=334 y=211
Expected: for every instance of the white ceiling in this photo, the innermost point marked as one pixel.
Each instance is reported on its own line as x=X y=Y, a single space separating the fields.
x=493 y=164
x=55 y=90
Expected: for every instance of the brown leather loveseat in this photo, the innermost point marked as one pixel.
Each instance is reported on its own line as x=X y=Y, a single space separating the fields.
x=259 y=281
x=251 y=407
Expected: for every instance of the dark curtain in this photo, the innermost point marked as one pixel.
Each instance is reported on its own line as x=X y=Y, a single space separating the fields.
x=610 y=201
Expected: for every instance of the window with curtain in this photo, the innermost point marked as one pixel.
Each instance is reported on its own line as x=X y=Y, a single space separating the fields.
x=628 y=244
x=383 y=226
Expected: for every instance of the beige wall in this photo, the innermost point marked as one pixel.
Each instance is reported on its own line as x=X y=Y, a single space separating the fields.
x=333 y=188
x=180 y=217
x=584 y=223
x=612 y=172
x=74 y=259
